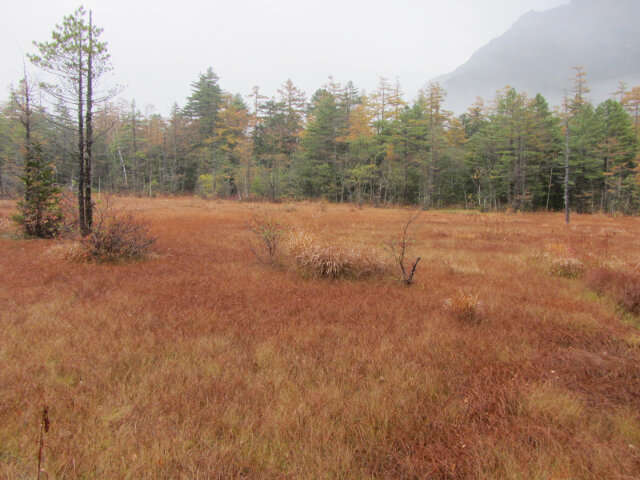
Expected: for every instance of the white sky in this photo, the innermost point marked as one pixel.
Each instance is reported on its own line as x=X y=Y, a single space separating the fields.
x=159 y=47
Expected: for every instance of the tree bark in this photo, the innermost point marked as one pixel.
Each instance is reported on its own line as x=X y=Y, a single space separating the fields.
x=89 y=134
x=566 y=164
x=81 y=164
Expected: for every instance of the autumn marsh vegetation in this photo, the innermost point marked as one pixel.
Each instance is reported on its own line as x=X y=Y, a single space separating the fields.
x=204 y=362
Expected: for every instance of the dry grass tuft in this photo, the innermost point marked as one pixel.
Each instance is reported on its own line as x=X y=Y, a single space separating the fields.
x=289 y=206
x=566 y=267
x=466 y=306
x=316 y=258
x=563 y=260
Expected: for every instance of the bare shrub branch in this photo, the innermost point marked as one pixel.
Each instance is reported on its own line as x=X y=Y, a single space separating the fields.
x=269 y=231
x=399 y=249
x=117 y=236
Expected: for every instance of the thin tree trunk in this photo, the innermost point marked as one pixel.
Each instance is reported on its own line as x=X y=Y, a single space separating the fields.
x=136 y=170
x=27 y=133
x=566 y=164
x=89 y=133
x=549 y=191
x=124 y=169
x=1 y=180
x=81 y=163
x=164 y=159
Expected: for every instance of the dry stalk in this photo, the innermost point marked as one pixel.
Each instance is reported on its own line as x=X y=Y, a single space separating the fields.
x=44 y=428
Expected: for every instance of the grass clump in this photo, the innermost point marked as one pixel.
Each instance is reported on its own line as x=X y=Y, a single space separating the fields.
x=316 y=258
x=566 y=267
x=466 y=307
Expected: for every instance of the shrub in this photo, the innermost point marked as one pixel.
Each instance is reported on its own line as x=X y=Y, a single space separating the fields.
x=624 y=287
x=270 y=232
x=630 y=297
x=70 y=225
x=399 y=250
x=323 y=205
x=602 y=279
x=116 y=237
x=205 y=186
x=466 y=307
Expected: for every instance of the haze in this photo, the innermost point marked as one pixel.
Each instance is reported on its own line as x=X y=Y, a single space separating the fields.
x=158 y=48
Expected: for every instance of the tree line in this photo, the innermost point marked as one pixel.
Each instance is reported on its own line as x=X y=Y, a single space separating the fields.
x=341 y=143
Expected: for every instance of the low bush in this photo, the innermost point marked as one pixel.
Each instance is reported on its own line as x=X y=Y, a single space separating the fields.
x=630 y=297
x=623 y=286
x=399 y=250
x=116 y=237
x=602 y=280
x=270 y=232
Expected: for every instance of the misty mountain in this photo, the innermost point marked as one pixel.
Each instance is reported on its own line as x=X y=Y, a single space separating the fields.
x=536 y=54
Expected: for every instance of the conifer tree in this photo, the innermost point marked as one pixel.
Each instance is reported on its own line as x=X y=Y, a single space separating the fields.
x=40 y=215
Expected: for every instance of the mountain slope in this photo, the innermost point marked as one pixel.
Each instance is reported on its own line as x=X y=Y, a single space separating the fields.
x=536 y=54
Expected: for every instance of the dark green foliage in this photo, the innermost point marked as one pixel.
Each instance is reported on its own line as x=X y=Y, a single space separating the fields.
x=204 y=103
x=40 y=213
x=346 y=146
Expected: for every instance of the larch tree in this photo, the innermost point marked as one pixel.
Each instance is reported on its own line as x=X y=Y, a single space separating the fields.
x=631 y=102
x=617 y=151
x=567 y=146
x=432 y=100
x=76 y=58
x=294 y=103
x=232 y=135
x=584 y=132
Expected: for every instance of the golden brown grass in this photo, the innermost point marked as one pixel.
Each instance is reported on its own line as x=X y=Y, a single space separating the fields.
x=203 y=362
x=326 y=258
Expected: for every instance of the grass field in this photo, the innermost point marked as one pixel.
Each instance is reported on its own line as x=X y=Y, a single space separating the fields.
x=203 y=362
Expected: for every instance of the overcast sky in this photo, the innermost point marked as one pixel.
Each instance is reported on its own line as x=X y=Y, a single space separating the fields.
x=158 y=48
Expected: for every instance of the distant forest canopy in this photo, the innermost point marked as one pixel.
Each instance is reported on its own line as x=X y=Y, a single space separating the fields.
x=346 y=145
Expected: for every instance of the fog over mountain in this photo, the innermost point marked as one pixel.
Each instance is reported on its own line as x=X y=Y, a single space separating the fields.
x=536 y=54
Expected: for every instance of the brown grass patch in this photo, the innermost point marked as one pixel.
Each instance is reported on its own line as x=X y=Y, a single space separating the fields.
x=201 y=363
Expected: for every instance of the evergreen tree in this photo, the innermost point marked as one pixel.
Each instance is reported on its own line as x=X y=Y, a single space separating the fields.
x=616 y=150
x=202 y=107
x=40 y=213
